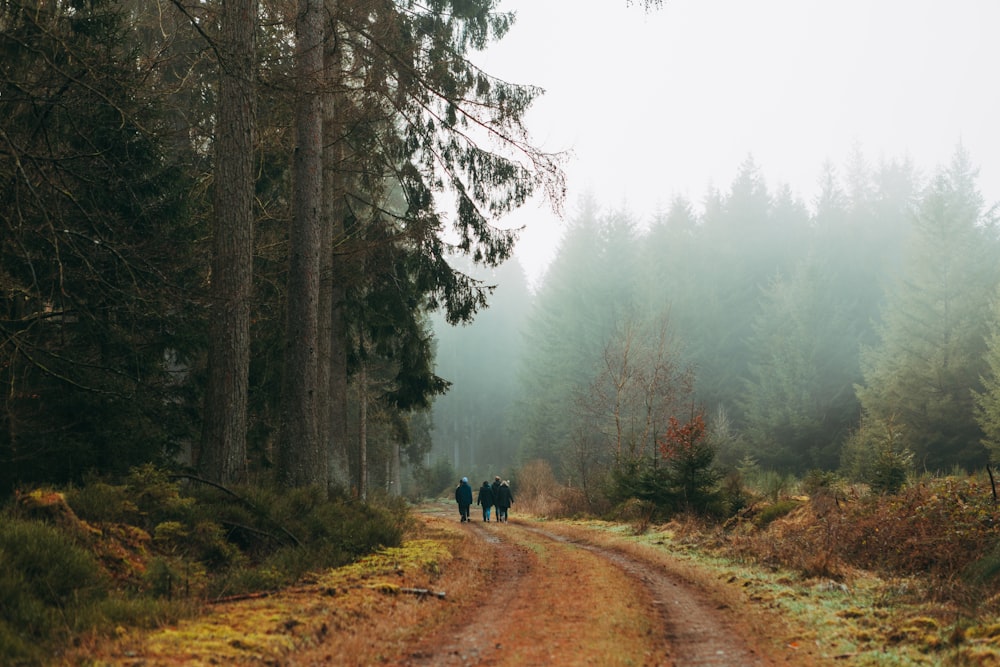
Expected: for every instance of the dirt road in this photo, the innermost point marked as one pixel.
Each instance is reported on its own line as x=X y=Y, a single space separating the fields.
x=520 y=593
x=549 y=608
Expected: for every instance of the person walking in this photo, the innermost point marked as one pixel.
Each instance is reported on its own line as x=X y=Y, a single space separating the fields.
x=496 y=489
x=485 y=499
x=503 y=500
x=463 y=496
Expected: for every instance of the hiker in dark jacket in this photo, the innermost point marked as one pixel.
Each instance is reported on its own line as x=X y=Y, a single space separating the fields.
x=463 y=496
x=504 y=500
x=485 y=499
x=496 y=489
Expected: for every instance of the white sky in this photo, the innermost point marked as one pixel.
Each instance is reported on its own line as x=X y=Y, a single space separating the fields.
x=670 y=101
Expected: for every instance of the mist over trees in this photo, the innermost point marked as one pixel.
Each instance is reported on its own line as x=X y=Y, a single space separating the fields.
x=806 y=333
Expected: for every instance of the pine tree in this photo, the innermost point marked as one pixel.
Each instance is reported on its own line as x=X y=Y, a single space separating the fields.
x=412 y=121
x=95 y=250
x=801 y=373
x=930 y=356
x=224 y=426
x=987 y=401
x=570 y=323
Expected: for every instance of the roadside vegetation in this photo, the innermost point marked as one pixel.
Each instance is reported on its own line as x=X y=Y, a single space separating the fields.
x=101 y=558
x=906 y=578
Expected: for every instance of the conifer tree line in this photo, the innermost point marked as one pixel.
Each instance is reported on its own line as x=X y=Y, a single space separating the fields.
x=826 y=336
x=224 y=225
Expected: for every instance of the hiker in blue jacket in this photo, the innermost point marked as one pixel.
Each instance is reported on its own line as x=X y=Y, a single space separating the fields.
x=463 y=496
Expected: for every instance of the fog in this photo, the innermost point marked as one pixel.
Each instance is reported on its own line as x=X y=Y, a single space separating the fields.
x=776 y=181
x=673 y=100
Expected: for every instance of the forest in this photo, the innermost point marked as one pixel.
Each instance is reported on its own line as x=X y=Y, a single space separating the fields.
x=266 y=245
x=260 y=299
x=854 y=334
x=224 y=226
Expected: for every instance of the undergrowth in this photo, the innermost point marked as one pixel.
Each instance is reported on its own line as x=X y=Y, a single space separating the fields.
x=913 y=577
x=153 y=547
x=909 y=577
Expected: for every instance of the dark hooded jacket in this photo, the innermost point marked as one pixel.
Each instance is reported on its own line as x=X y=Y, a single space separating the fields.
x=504 y=497
x=485 y=495
x=463 y=494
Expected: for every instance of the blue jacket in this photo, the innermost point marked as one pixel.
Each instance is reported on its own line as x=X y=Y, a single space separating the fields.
x=463 y=494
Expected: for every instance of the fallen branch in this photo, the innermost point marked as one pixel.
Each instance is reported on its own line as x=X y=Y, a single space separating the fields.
x=393 y=589
x=422 y=592
x=243 y=501
x=993 y=483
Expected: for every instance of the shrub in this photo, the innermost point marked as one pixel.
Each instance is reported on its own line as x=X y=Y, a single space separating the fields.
x=98 y=501
x=941 y=530
x=770 y=513
x=876 y=453
x=48 y=585
x=539 y=493
x=682 y=480
x=54 y=569
x=150 y=545
x=733 y=494
x=689 y=457
x=889 y=469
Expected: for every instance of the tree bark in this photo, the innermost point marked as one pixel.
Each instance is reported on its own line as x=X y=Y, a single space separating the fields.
x=301 y=459
x=223 y=455
x=333 y=368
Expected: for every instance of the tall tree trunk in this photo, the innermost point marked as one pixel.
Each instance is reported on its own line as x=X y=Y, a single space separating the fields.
x=301 y=459
x=333 y=378
x=223 y=455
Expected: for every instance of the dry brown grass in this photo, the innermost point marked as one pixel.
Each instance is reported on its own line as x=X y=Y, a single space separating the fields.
x=357 y=611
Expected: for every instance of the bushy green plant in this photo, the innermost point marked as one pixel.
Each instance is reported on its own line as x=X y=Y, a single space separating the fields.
x=774 y=511
x=99 y=501
x=733 y=494
x=157 y=496
x=18 y=648
x=202 y=540
x=147 y=496
x=689 y=457
x=162 y=578
x=54 y=568
x=48 y=585
x=889 y=470
x=876 y=453
x=683 y=479
x=637 y=479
